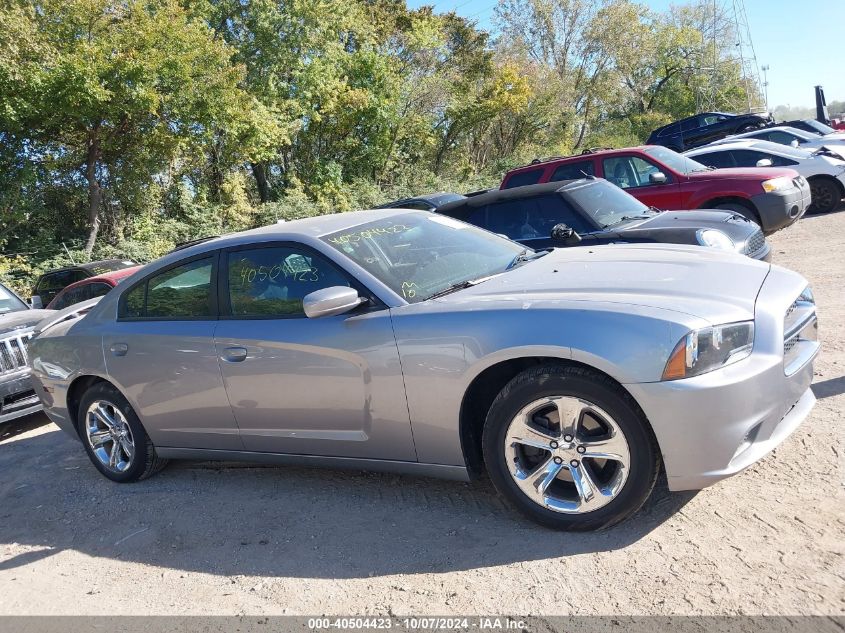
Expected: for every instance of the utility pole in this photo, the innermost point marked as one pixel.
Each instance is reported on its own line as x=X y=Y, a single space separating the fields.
x=765 y=69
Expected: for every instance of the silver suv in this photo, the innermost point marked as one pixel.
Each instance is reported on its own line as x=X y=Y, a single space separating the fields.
x=17 y=322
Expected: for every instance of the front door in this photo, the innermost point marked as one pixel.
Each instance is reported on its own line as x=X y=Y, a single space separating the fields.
x=311 y=386
x=633 y=174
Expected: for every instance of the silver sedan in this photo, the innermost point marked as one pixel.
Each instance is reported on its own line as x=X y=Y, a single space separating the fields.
x=405 y=341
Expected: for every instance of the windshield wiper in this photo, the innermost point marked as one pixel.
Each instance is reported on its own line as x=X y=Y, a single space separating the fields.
x=458 y=286
x=525 y=256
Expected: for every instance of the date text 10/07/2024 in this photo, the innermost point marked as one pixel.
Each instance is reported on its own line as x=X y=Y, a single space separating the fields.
x=417 y=623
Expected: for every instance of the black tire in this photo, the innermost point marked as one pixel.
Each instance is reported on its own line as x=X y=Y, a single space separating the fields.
x=145 y=462
x=741 y=209
x=826 y=195
x=582 y=383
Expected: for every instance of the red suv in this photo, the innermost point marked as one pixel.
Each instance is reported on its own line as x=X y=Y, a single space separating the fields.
x=661 y=178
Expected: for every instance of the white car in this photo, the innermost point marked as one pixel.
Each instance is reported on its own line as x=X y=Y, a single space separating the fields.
x=785 y=135
x=824 y=170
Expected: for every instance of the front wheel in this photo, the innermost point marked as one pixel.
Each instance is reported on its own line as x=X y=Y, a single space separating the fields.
x=570 y=448
x=825 y=195
x=113 y=436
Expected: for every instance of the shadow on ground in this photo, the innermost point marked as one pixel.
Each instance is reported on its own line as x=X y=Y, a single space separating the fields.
x=829 y=388
x=232 y=519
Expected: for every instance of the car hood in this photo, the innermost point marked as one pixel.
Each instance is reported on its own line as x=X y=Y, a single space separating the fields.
x=715 y=286
x=687 y=222
x=21 y=319
x=742 y=173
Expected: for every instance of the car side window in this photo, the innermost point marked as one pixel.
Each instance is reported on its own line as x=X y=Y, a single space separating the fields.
x=716 y=159
x=572 y=171
x=72 y=296
x=670 y=130
x=691 y=123
x=628 y=172
x=532 y=218
x=180 y=292
x=272 y=281
x=749 y=158
x=784 y=138
x=98 y=290
x=520 y=179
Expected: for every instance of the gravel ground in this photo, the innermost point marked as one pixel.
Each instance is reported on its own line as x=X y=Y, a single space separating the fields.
x=205 y=539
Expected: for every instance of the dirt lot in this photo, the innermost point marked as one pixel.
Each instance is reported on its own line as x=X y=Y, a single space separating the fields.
x=203 y=539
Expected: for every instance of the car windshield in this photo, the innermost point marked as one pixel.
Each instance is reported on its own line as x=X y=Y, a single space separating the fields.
x=819 y=127
x=671 y=158
x=607 y=204
x=9 y=302
x=419 y=255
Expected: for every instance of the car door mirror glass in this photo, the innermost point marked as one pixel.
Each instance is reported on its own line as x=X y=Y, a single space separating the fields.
x=657 y=178
x=36 y=303
x=764 y=162
x=331 y=301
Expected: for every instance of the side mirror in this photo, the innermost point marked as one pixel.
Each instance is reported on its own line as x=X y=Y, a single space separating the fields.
x=657 y=178
x=331 y=301
x=794 y=142
x=764 y=162
x=563 y=233
x=36 y=303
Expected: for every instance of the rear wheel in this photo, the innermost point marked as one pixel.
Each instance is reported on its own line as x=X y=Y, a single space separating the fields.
x=825 y=195
x=113 y=436
x=569 y=448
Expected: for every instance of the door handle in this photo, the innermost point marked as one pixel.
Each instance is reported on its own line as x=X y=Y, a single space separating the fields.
x=234 y=354
x=119 y=349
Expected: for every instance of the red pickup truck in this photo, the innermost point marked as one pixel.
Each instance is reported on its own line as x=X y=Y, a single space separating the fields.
x=661 y=178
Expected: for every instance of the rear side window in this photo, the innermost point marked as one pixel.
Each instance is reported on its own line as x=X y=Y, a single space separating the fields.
x=572 y=171
x=749 y=158
x=523 y=178
x=716 y=159
x=181 y=292
x=99 y=290
x=72 y=296
x=670 y=130
x=272 y=281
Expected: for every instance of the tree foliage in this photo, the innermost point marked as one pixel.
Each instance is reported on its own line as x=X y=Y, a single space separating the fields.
x=128 y=126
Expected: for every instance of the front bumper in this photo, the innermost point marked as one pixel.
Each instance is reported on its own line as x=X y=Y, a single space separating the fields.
x=712 y=426
x=779 y=209
x=17 y=397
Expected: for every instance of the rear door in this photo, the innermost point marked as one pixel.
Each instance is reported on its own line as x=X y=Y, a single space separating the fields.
x=632 y=173
x=161 y=354
x=311 y=386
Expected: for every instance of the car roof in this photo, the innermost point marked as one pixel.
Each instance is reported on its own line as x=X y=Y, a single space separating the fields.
x=88 y=266
x=585 y=155
x=432 y=198
x=302 y=230
x=748 y=143
x=527 y=191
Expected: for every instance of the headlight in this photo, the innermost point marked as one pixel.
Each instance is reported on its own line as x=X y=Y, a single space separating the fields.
x=715 y=239
x=777 y=184
x=807 y=296
x=710 y=348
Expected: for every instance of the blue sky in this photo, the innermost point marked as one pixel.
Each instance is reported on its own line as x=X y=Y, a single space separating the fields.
x=801 y=43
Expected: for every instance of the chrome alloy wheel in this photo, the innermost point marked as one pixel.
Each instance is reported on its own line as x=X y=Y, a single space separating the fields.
x=567 y=454
x=109 y=436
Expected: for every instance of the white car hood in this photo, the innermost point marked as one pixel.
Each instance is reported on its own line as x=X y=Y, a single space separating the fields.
x=716 y=286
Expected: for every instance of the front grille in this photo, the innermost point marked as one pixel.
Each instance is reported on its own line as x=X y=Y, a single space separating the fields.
x=13 y=352
x=800 y=335
x=755 y=243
